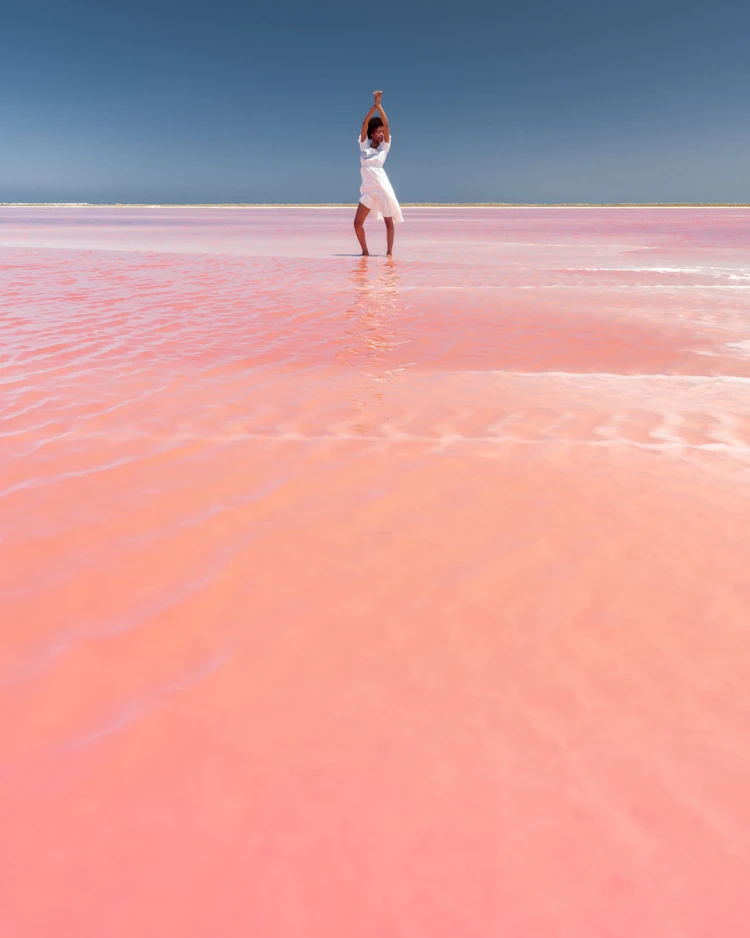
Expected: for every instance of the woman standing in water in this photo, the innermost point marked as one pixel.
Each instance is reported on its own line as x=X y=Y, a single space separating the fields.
x=376 y=193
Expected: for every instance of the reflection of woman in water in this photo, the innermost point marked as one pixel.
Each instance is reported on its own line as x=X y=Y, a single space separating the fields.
x=373 y=336
x=376 y=192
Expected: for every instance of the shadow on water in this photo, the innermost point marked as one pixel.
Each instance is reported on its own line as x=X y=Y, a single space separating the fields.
x=371 y=334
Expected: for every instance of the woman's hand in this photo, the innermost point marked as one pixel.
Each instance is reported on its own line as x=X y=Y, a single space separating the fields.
x=378 y=96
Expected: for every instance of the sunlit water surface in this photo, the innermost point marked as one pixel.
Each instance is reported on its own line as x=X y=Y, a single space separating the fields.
x=348 y=597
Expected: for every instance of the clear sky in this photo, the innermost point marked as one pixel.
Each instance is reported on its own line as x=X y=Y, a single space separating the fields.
x=225 y=101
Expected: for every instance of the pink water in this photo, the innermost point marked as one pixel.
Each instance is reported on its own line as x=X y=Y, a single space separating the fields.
x=343 y=597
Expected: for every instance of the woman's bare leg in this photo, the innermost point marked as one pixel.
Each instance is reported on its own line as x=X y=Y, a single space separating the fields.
x=359 y=227
x=389 y=232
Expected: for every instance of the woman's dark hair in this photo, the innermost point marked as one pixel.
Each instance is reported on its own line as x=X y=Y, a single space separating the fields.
x=373 y=124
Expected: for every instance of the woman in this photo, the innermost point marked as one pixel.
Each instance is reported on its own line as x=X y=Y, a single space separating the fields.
x=376 y=192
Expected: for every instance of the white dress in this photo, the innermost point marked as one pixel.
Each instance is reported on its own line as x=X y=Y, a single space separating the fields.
x=376 y=192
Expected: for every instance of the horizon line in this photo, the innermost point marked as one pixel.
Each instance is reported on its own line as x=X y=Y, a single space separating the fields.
x=353 y=204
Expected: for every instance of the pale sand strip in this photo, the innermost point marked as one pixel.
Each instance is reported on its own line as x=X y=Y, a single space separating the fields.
x=334 y=205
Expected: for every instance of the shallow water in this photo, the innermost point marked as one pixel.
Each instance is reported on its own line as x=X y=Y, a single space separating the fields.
x=353 y=597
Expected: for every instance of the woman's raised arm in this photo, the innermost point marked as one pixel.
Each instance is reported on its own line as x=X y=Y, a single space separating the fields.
x=366 y=121
x=379 y=106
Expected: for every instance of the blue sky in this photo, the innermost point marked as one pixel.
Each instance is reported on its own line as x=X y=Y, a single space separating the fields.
x=197 y=101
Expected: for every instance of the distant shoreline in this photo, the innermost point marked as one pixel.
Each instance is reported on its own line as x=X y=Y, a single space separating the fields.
x=334 y=205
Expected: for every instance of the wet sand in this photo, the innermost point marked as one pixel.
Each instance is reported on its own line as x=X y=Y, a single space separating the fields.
x=353 y=598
